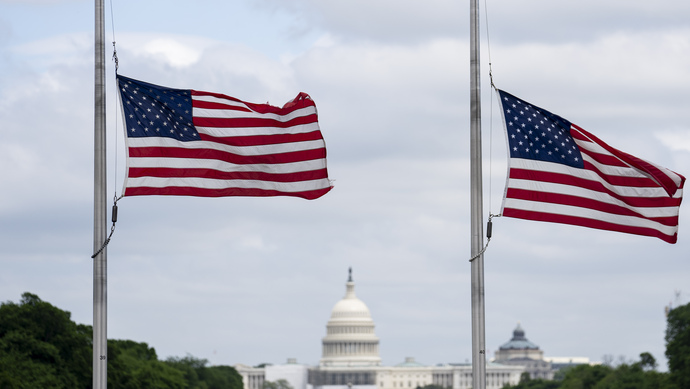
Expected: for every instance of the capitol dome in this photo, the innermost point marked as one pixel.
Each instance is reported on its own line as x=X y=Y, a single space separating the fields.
x=350 y=338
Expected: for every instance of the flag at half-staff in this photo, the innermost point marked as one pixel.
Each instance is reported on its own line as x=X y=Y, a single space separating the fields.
x=192 y=143
x=560 y=173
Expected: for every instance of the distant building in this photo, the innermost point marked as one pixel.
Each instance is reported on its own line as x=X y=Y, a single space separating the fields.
x=558 y=363
x=519 y=351
x=350 y=358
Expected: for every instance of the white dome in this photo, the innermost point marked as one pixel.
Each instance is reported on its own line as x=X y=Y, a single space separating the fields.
x=350 y=307
x=350 y=338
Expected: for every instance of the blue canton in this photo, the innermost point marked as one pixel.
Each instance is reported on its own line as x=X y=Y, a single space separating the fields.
x=534 y=133
x=152 y=110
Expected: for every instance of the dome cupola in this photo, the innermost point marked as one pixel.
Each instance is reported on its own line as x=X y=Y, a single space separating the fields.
x=350 y=338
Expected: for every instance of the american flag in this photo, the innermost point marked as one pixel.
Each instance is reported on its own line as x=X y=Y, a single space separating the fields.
x=192 y=143
x=560 y=173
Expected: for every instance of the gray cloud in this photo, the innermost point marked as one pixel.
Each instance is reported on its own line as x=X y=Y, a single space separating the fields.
x=254 y=279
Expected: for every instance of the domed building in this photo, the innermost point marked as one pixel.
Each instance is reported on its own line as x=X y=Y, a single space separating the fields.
x=350 y=338
x=521 y=352
x=350 y=358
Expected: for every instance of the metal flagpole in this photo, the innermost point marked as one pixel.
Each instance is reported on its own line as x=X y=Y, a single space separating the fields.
x=100 y=268
x=476 y=228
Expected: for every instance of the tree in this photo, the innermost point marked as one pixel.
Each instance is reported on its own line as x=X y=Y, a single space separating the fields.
x=431 y=386
x=647 y=361
x=584 y=376
x=133 y=365
x=526 y=382
x=200 y=376
x=278 y=384
x=222 y=377
x=41 y=347
x=678 y=345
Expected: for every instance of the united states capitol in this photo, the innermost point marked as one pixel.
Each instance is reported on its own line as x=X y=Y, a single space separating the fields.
x=350 y=358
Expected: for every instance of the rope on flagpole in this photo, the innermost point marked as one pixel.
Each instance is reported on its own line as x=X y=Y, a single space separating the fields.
x=115 y=196
x=489 y=226
x=112 y=228
x=117 y=67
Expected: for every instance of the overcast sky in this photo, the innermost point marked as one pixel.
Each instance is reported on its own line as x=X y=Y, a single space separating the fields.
x=252 y=280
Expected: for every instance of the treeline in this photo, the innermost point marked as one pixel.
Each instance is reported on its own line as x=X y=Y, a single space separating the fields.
x=635 y=375
x=641 y=374
x=41 y=347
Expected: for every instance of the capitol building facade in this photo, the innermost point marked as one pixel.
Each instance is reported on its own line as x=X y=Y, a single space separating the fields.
x=350 y=358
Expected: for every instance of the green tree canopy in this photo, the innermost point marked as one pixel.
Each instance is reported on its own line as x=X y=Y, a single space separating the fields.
x=41 y=347
x=678 y=345
x=278 y=384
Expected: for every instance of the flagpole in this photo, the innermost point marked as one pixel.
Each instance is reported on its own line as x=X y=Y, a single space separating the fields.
x=476 y=206
x=100 y=277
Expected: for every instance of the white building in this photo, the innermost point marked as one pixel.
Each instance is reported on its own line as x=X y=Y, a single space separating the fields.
x=350 y=358
x=519 y=351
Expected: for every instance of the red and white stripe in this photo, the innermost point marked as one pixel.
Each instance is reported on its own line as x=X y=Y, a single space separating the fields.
x=615 y=191
x=244 y=149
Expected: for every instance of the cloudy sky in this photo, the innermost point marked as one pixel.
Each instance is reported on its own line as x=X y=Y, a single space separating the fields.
x=252 y=280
